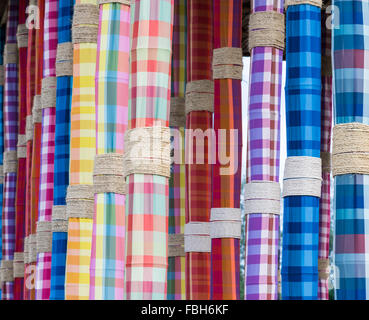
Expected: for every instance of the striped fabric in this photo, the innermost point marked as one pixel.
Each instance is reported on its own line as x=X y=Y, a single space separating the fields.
x=112 y=67
x=225 y=266
x=198 y=176
x=43 y=265
x=82 y=153
x=147 y=196
x=350 y=49
x=21 y=173
x=10 y=113
x=303 y=89
x=176 y=284
x=64 y=87
x=325 y=146
x=262 y=230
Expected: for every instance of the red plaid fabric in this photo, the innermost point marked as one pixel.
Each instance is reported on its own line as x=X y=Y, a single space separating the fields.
x=198 y=176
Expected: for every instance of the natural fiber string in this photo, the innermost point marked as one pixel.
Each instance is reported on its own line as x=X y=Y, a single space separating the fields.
x=64 y=59
x=1 y=174
x=266 y=29
x=125 y=2
x=225 y=223
x=10 y=53
x=199 y=96
x=36 y=110
x=177 y=112
x=176 y=245
x=18 y=265
x=43 y=237
x=197 y=237
x=316 y=3
x=85 y=23
x=10 y=161
x=7 y=273
x=326 y=161
x=48 y=92
x=2 y=75
x=29 y=128
x=22 y=146
x=22 y=36
x=323 y=269
x=26 y=250
x=32 y=249
x=80 y=201
x=227 y=63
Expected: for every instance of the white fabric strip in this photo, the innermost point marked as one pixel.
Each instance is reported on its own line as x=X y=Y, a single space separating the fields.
x=225 y=223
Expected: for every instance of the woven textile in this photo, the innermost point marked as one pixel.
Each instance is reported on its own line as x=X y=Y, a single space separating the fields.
x=82 y=153
x=198 y=176
x=108 y=246
x=225 y=267
x=64 y=87
x=176 y=289
x=351 y=191
x=262 y=230
x=147 y=196
x=303 y=89
x=10 y=114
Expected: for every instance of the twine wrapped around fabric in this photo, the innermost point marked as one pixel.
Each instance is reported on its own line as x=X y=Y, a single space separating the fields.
x=10 y=161
x=48 y=93
x=323 y=269
x=32 y=248
x=350 y=151
x=266 y=29
x=302 y=176
x=43 y=237
x=176 y=245
x=147 y=151
x=109 y=173
x=59 y=221
x=326 y=161
x=64 y=59
x=2 y=75
x=22 y=36
x=177 y=112
x=227 y=63
x=85 y=23
x=26 y=250
x=316 y=3
x=80 y=201
x=29 y=128
x=37 y=110
x=326 y=66
x=7 y=273
x=197 y=237
x=200 y=96
x=1 y=174
x=22 y=146
x=125 y=2
x=10 y=53
x=18 y=265
x=225 y=223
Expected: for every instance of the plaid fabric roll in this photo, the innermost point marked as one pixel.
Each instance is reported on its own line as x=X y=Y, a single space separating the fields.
x=303 y=89
x=225 y=267
x=147 y=196
x=351 y=190
x=198 y=176
x=176 y=289
x=64 y=86
x=82 y=154
x=262 y=230
x=325 y=146
x=112 y=66
x=10 y=113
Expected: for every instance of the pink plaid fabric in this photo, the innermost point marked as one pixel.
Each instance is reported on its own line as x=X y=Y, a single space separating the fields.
x=43 y=271
x=50 y=37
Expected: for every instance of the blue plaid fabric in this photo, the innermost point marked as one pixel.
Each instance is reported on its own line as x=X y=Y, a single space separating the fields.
x=351 y=199
x=303 y=90
x=61 y=165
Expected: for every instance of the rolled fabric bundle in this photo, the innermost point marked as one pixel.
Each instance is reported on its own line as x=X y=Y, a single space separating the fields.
x=10 y=113
x=176 y=289
x=226 y=174
x=82 y=147
x=262 y=223
x=22 y=39
x=198 y=175
x=146 y=247
x=30 y=271
x=48 y=102
x=350 y=178
x=64 y=85
x=302 y=188
x=325 y=147
x=108 y=235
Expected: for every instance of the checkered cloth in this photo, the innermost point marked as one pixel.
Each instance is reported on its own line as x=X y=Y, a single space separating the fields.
x=10 y=114
x=225 y=267
x=350 y=49
x=262 y=230
x=64 y=87
x=198 y=176
x=148 y=195
x=82 y=154
x=325 y=146
x=108 y=236
x=303 y=90
x=176 y=289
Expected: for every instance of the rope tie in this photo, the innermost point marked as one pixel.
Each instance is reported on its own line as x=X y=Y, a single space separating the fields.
x=29 y=128
x=44 y=237
x=37 y=109
x=147 y=151
x=262 y=197
x=225 y=223
x=48 y=93
x=85 y=23
x=10 y=161
x=80 y=201
x=18 y=265
x=22 y=36
x=32 y=248
x=316 y=3
x=323 y=269
x=2 y=75
x=302 y=177
x=350 y=150
x=64 y=59
x=10 y=53
x=200 y=96
x=7 y=273
x=266 y=29
x=1 y=174
x=227 y=63
x=22 y=146
x=125 y=2
x=109 y=174
x=177 y=112
x=59 y=221
x=26 y=250
x=176 y=245
x=326 y=161
x=197 y=237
